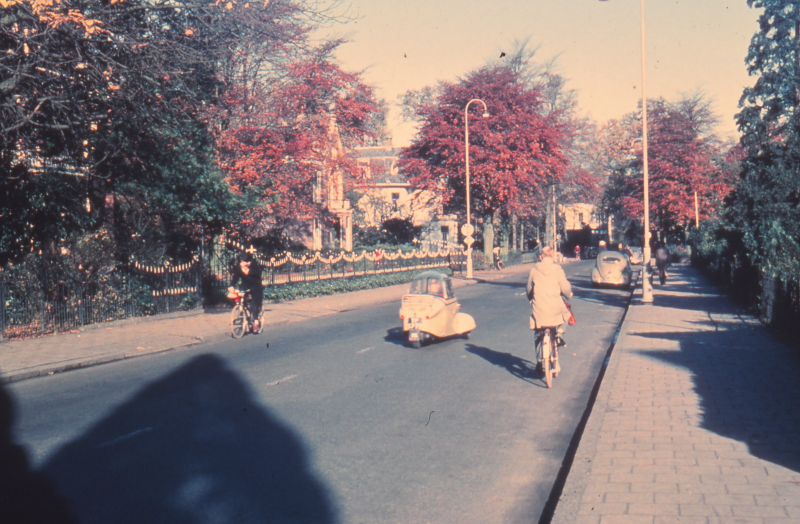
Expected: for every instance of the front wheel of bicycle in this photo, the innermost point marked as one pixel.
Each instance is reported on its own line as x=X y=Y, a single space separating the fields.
x=238 y=321
x=548 y=373
x=547 y=350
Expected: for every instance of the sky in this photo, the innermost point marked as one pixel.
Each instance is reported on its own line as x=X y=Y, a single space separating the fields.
x=690 y=45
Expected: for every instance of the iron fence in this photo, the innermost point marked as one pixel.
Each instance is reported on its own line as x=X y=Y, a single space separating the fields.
x=45 y=296
x=48 y=296
x=288 y=268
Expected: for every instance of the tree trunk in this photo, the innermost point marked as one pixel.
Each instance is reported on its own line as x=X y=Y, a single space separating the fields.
x=504 y=239
x=488 y=236
x=514 y=235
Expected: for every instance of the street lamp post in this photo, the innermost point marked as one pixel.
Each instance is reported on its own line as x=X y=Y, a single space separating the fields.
x=468 y=229
x=647 y=288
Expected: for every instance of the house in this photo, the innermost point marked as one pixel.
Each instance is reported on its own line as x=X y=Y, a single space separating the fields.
x=391 y=196
x=577 y=216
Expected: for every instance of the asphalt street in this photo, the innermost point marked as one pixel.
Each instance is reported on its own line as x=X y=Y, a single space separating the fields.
x=330 y=420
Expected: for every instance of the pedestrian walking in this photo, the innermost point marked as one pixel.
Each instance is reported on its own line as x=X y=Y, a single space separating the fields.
x=662 y=262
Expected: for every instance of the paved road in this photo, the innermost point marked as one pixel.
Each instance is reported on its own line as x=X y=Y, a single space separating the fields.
x=330 y=420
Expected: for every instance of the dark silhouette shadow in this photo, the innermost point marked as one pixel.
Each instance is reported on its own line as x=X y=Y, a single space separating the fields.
x=519 y=367
x=25 y=496
x=192 y=447
x=745 y=377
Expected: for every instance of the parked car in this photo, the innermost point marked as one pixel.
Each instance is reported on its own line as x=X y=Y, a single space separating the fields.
x=636 y=256
x=430 y=310
x=590 y=252
x=612 y=268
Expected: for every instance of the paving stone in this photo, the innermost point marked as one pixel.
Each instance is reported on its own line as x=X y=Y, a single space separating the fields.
x=653 y=509
x=603 y=509
x=626 y=519
x=661 y=519
x=759 y=511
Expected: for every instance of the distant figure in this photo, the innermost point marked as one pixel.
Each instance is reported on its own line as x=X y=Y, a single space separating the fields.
x=602 y=246
x=498 y=262
x=577 y=252
x=662 y=262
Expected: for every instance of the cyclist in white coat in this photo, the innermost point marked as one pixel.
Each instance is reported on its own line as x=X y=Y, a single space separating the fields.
x=547 y=283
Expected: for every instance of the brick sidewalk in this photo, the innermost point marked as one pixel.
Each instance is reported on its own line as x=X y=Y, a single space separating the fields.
x=695 y=421
x=99 y=344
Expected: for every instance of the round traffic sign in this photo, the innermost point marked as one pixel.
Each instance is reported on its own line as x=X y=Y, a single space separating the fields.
x=467 y=230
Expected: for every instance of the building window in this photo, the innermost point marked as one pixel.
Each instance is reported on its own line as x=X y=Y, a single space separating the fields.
x=395 y=199
x=445 y=232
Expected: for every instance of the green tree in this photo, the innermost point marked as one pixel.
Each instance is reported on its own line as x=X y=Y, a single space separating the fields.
x=765 y=205
x=113 y=104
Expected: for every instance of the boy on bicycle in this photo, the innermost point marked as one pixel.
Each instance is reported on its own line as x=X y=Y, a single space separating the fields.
x=248 y=271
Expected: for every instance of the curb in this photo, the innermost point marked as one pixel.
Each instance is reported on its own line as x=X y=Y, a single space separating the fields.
x=81 y=363
x=568 y=503
x=52 y=369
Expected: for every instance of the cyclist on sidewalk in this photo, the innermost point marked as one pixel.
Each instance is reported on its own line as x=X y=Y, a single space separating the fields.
x=547 y=283
x=498 y=262
x=248 y=271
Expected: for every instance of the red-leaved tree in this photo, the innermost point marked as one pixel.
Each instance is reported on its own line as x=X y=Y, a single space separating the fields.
x=684 y=157
x=284 y=136
x=515 y=152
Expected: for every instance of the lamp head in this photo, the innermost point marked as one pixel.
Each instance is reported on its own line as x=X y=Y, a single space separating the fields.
x=485 y=114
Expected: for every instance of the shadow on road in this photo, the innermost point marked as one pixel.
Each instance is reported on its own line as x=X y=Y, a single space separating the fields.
x=519 y=367
x=192 y=447
x=396 y=336
x=25 y=496
x=745 y=378
x=583 y=290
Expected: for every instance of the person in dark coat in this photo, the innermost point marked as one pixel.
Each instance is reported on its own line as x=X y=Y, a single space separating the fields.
x=248 y=271
x=662 y=262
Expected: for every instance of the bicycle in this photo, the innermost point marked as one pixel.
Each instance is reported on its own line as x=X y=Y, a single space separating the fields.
x=241 y=315
x=548 y=340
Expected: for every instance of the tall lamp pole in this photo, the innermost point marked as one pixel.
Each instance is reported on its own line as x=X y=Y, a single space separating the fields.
x=467 y=230
x=647 y=287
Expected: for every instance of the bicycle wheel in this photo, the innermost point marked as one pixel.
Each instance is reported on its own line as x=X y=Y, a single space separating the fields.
x=238 y=321
x=546 y=352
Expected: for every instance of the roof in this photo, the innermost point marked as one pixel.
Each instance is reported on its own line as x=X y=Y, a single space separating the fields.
x=430 y=274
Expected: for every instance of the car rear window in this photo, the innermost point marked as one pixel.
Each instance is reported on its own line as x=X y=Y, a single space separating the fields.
x=612 y=259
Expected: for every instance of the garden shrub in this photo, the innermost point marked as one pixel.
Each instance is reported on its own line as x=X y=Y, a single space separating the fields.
x=299 y=290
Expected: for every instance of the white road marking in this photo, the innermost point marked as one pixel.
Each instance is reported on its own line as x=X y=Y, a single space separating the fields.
x=284 y=379
x=364 y=350
x=124 y=437
x=518 y=294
